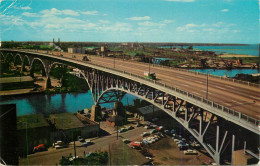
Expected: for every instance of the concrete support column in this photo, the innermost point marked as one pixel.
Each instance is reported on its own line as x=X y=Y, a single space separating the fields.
x=233 y=148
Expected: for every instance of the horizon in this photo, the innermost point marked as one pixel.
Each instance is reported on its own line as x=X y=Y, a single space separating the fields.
x=141 y=21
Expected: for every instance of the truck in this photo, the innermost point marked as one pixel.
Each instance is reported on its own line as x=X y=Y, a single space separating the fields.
x=85 y=58
x=150 y=75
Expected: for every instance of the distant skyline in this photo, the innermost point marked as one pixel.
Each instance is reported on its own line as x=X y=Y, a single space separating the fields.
x=187 y=21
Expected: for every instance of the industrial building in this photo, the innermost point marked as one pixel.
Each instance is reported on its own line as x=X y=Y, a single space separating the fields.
x=147 y=112
x=77 y=50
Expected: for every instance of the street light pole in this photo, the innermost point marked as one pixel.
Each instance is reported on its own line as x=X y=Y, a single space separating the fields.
x=207 y=85
x=114 y=61
x=149 y=66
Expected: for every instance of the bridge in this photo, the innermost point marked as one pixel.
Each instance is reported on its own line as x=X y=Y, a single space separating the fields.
x=207 y=116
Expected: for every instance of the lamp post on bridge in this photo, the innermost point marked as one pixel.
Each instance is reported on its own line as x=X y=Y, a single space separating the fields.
x=207 y=84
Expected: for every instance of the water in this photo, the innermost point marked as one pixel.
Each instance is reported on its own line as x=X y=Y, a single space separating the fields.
x=229 y=73
x=252 y=49
x=58 y=103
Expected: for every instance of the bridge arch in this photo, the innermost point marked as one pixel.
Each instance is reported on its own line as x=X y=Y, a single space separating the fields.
x=32 y=67
x=163 y=109
x=2 y=56
x=26 y=62
x=16 y=59
x=9 y=57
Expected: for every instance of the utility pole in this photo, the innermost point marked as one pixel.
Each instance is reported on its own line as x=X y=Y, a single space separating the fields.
x=149 y=65
x=114 y=61
x=207 y=84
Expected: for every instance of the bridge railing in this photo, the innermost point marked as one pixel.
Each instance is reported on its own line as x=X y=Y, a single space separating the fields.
x=222 y=109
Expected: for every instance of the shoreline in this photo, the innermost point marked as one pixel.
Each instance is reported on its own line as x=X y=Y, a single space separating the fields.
x=235 y=55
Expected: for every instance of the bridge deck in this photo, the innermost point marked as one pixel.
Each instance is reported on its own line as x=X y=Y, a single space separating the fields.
x=235 y=96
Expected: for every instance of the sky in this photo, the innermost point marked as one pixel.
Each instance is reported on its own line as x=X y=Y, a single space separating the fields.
x=189 y=21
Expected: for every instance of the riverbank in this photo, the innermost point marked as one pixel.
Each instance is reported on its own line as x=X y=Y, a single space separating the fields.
x=235 y=55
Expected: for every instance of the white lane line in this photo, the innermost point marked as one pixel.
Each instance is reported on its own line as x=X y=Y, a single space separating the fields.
x=229 y=86
x=185 y=85
x=228 y=104
x=257 y=98
x=236 y=102
x=205 y=91
x=199 y=82
x=220 y=87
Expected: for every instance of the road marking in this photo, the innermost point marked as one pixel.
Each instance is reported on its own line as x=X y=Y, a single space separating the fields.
x=185 y=85
x=220 y=87
x=199 y=82
x=206 y=91
x=228 y=104
x=229 y=86
x=257 y=98
x=236 y=101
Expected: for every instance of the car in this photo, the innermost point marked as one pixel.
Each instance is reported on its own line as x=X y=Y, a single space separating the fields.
x=39 y=148
x=172 y=131
x=136 y=144
x=80 y=139
x=126 y=141
x=145 y=134
x=190 y=152
x=122 y=130
x=153 y=131
x=166 y=132
x=130 y=127
x=59 y=143
x=145 y=142
x=148 y=127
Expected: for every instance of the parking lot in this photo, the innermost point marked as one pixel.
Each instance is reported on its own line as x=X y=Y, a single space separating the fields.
x=160 y=146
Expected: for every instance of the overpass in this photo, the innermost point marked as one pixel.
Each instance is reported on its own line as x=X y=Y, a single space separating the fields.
x=228 y=101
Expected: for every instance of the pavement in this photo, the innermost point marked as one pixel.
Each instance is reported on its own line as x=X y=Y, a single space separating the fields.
x=52 y=156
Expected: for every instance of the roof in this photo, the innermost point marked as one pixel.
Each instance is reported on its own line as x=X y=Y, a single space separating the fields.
x=121 y=154
x=65 y=121
x=15 y=79
x=148 y=109
x=113 y=118
x=31 y=121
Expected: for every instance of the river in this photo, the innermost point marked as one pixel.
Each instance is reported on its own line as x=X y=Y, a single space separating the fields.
x=57 y=103
x=229 y=73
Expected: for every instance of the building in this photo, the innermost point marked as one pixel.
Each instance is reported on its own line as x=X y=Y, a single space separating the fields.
x=69 y=126
x=8 y=134
x=10 y=83
x=147 y=113
x=33 y=130
x=76 y=50
x=115 y=120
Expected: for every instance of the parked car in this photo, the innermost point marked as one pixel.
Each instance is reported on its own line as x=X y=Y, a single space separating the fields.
x=130 y=127
x=80 y=139
x=39 y=148
x=148 y=127
x=126 y=141
x=122 y=130
x=138 y=125
x=145 y=134
x=59 y=143
x=190 y=152
x=153 y=131
x=172 y=131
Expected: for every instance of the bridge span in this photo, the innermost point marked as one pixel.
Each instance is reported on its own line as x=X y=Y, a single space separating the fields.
x=227 y=102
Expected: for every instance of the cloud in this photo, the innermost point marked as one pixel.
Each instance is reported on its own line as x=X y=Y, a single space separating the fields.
x=180 y=0
x=224 y=10
x=167 y=21
x=54 y=11
x=219 y=27
x=27 y=14
x=151 y=24
x=26 y=8
x=94 y=12
x=139 y=18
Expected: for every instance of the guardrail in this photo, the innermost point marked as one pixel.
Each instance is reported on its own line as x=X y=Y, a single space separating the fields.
x=235 y=115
